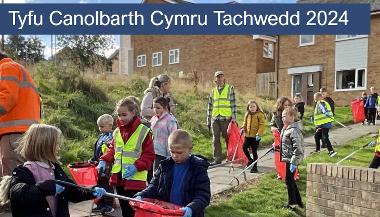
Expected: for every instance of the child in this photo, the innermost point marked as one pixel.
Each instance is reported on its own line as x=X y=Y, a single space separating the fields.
x=162 y=124
x=131 y=152
x=292 y=151
x=328 y=99
x=105 y=123
x=364 y=99
x=181 y=179
x=33 y=191
x=371 y=106
x=299 y=104
x=322 y=119
x=376 y=159
x=253 y=127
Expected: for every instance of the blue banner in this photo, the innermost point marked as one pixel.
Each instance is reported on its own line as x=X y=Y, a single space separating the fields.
x=184 y=19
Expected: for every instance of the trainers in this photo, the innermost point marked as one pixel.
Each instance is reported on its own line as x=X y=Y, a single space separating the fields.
x=107 y=210
x=98 y=208
x=332 y=153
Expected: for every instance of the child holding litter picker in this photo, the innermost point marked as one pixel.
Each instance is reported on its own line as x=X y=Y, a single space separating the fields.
x=376 y=159
x=292 y=152
x=181 y=179
x=131 y=152
x=33 y=191
x=105 y=123
x=253 y=127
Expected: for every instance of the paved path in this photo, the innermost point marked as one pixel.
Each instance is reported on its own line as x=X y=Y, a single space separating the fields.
x=220 y=177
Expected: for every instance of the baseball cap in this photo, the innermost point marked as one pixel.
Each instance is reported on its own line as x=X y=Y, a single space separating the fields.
x=217 y=73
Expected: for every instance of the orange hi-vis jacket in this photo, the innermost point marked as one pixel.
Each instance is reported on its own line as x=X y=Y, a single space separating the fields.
x=19 y=98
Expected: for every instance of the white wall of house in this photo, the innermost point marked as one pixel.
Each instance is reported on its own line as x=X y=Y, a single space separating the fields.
x=351 y=54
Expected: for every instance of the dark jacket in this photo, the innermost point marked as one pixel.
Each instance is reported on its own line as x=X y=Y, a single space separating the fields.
x=331 y=102
x=371 y=101
x=292 y=145
x=276 y=121
x=300 y=106
x=196 y=193
x=27 y=200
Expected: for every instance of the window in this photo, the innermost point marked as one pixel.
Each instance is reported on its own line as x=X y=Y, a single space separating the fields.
x=310 y=82
x=268 y=50
x=141 y=60
x=174 y=56
x=297 y=84
x=351 y=79
x=157 y=59
x=346 y=37
x=306 y=40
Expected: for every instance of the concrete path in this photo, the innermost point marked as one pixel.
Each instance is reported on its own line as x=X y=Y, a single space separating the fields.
x=220 y=176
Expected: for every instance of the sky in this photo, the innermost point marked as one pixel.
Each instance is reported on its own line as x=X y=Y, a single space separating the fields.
x=47 y=38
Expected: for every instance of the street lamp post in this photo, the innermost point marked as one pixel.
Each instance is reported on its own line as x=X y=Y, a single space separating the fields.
x=2 y=36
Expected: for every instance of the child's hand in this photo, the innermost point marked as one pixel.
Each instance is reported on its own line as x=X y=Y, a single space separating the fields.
x=98 y=192
x=59 y=189
x=258 y=138
x=130 y=171
x=101 y=165
x=187 y=211
x=138 y=198
x=292 y=168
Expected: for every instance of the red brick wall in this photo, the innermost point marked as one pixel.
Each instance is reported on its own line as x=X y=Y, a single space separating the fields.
x=342 y=191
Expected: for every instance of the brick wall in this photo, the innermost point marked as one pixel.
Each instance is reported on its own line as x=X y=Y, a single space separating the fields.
x=342 y=191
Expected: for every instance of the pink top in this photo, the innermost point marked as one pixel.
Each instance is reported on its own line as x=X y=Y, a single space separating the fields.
x=42 y=171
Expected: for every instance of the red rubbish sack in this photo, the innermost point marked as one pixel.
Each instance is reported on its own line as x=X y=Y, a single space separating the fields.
x=357 y=108
x=280 y=165
x=84 y=174
x=155 y=208
x=235 y=139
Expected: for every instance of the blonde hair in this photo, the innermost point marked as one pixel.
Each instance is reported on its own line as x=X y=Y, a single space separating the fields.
x=129 y=103
x=180 y=137
x=41 y=142
x=318 y=95
x=291 y=111
x=105 y=119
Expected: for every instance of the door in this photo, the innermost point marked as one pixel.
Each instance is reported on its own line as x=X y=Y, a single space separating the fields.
x=307 y=84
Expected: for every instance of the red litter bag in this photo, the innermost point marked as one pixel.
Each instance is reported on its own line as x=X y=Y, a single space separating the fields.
x=235 y=139
x=84 y=174
x=280 y=165
x=357 y=108
x=155 y=208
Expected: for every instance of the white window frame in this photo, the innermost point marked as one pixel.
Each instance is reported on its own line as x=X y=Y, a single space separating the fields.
x=349 y=37
x=173 y=52
x=139 y=60
x=356 y=80
x=310 y=80
x=306 y=44
x=270 y=47
x=154 y=56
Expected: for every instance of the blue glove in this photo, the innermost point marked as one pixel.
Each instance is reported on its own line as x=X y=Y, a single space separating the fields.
x=187 y=211
x=130 y=171
x=371 y=144
x=59 y=189
x=138 y=198
x=258 y=138
x=101 y=165
x=98 y=192
x=273 y=148
x=311 y=119
x=292 y=168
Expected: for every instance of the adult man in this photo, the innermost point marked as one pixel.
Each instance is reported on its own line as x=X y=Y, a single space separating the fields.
x=221 y=110
x=19 y=108
x=323 y=118
x=371 y=105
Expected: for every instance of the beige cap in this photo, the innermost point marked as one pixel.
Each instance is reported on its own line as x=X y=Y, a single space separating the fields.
x=217 y=73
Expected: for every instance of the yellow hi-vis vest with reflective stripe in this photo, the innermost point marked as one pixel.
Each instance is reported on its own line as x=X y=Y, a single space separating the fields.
x=377 y=147
x=222 y=102
x=319 y=117
x=127 y=153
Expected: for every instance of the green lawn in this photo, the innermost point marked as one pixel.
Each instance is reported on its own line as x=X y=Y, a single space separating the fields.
x=267 y=197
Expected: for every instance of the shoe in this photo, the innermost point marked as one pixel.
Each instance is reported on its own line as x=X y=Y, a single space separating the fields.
x=254 y=170
x=278 y=177
x=332 y=153
x=291 y=207
x=215 y=163
x=98 y=208
x=107 y=210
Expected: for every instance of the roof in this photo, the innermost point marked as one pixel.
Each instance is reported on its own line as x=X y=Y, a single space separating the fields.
x=375 y=4
x=114 y=54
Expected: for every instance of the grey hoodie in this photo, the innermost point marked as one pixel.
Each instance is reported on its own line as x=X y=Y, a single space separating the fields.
x=292 y=146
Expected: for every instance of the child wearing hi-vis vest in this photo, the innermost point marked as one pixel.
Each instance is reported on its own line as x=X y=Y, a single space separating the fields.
x=376 y=159
x=131 y=152
x=105 y=124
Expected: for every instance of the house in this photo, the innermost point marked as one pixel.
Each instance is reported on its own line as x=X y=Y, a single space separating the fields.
x=247 y=60
x=346 y=65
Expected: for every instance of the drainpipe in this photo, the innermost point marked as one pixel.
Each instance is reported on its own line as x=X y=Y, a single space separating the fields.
x=2 y=36
x=277 y=63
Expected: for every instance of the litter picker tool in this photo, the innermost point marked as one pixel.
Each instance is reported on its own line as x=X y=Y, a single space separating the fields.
x=339 y=122
x=249 y=166
x=348 y=156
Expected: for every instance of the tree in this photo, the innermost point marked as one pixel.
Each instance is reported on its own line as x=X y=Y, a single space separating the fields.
x=85 y=50
x=28 y=50
x=34 y=50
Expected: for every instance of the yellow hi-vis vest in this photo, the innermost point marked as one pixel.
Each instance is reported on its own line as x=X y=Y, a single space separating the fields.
x=319 y=117
x=222 y=102
x=127 y=153
x=377 y=147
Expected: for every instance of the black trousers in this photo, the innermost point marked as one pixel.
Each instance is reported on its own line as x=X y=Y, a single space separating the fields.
x=294 y=197
x=103 y=181
x=322 y=134
x=126 y=209
x=372 y=115
x=250 y=142
x=375 y=162
x=366 y=113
